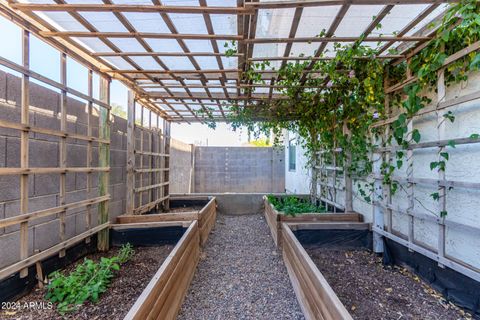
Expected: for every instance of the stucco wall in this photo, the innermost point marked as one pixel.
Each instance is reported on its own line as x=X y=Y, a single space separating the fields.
x=462 y=203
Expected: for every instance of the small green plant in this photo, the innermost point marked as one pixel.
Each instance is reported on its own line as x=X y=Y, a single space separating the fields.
x=291 y=205
x=86 y=282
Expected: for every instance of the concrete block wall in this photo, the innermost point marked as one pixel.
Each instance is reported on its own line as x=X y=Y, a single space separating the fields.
x=44 y=152
x=181 y=167
x=239 y=169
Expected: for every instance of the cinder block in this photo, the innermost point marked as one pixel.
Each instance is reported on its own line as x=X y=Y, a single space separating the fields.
x=119 y=191
x=43 y=153
x=118 y=158
x=12 y=209
x=48 y=122
x=47 y=235
x=10 y=248
x=80 y=221
x=10 y=187
x=44 y=98
x=3 y=151
x=3 y=86
x=81 y=181
x=115 y=141
x=10 y=113
x=70 y=229
x=2 y=216
x=78 y=109
x=46 y=184
x=119 y=124
x=116 y=208
x=76 y=155
x=14 y=91
x=116 y=175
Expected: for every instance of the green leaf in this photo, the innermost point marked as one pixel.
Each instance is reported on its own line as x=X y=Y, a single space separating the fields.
x=475 y=64
x=474 y=136
x=399 y=164
x=435 y=196
x=451 y=143
x=416 y=136
x=444 y=155
x=443 y=214
x=433 y=165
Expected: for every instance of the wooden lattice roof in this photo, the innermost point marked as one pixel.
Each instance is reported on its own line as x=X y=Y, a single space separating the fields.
x=171 y=53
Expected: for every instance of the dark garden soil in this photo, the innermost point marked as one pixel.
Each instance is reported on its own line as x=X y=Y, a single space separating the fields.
x=124 y=289
x=370 y=290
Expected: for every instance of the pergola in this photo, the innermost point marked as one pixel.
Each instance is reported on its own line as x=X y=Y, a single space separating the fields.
x=172 y=53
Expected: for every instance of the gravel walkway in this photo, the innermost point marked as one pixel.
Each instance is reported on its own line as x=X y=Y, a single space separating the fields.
x=241 y=275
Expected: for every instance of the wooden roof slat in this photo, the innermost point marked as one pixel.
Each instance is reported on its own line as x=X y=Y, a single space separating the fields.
x=130 y=8
x=145 y=35
x=339 y=39
x=163 y=54
x=324 y=3
x=126 y=23
x=305 y=58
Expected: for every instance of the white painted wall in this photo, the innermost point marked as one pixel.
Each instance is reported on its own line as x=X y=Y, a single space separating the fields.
x=297 y=181
x=464 y=165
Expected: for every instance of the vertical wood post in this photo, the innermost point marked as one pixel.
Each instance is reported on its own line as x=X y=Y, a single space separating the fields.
x=166 y=175
x=158 y=163
x=387 y=159
x=348 y=178
x=24 y=162
x=63 y=147
x=192 y=169
x=104 y=161
x=442 y=190
x=140 y=194
x=130 y=199
x=88 y=217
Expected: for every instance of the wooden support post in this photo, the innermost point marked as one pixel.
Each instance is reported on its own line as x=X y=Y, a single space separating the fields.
x=166 y=174
x=104 y=161
x=442 y=190
x=387 y=159
x=378 y=214
x=88 y=217
x=348 y=178
x=130 y=199
x=192 y=169
x=63 y=147
x=140 y=194
x=39 y=269
x=24 y=162
x=151 y=158
x=158 y=162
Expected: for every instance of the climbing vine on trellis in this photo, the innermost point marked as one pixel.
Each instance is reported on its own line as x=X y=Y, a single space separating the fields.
x=335 y=105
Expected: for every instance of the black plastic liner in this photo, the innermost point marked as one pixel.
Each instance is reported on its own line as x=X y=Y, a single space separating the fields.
x=180 y=203
x=15 y=287
x=331 y=238
x=144 y=237
x=454 y=286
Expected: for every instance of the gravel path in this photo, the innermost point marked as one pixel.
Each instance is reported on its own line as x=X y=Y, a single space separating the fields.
x=240 y=275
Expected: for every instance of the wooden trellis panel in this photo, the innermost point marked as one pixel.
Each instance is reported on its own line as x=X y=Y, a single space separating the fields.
x=148 y=152
x=383 y=207
x=25 y=171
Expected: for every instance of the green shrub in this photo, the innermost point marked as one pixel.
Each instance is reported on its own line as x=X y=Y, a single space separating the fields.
x=86 y=282
x=291 y=205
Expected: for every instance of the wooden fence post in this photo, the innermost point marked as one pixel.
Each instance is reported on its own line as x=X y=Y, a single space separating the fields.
x=24 y=162
x=104 y=161
x=166 y=179
x=130 y=199
x=348 y=178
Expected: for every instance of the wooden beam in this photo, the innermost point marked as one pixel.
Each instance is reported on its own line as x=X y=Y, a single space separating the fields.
x=166 y=162
x=104 y=161
x=291 y=58
x=173 y=72
x=324 y=3
x=63 y=147
x=339 y=39
x=145 y=35
x=165 y=54
x=130 y=8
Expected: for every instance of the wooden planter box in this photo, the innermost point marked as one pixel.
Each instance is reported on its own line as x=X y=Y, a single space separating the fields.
x=163 y=296
x=275 y=219
x=206 y=217
x=315 y=296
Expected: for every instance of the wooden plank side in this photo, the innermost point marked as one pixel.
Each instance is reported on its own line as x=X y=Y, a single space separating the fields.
x=147 y=300
x=315 y=285
x=271 y=218
x=312 y=217
x=181 y=216
x=207 y=222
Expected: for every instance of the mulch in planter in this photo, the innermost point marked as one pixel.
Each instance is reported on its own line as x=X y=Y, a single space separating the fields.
x=115 y=303
x=369 y=290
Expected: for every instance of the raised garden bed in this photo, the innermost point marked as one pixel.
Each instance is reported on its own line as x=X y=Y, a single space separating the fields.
x=336 y=276
x=152 y=284
x=275 y=219
x=201 y=209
